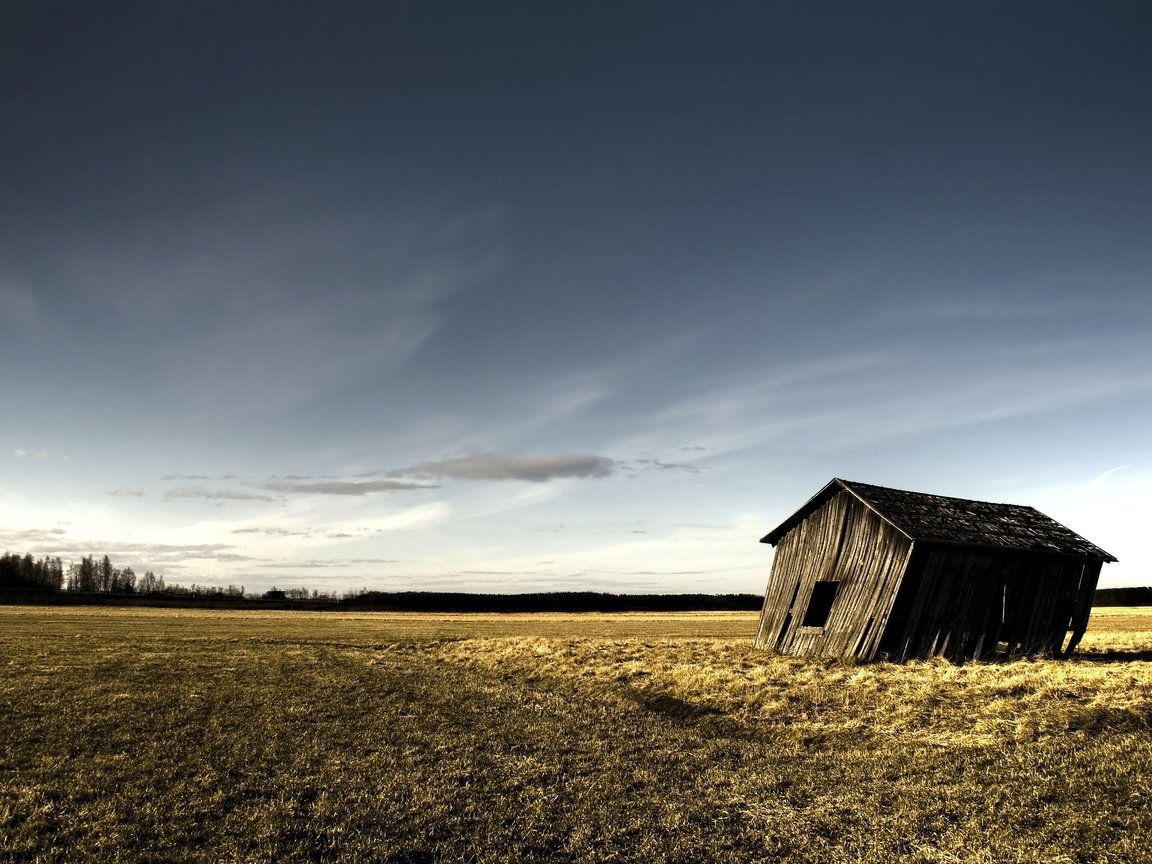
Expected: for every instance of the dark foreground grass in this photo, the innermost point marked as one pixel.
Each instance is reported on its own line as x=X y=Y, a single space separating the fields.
x=205 y=737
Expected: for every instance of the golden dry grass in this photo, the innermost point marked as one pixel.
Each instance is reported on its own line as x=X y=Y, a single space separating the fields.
x=185 y=735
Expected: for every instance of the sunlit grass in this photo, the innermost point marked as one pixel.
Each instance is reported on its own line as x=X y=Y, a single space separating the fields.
x=184 y=735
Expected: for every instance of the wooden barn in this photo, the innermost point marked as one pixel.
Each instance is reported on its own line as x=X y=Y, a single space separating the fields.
x=873 y=573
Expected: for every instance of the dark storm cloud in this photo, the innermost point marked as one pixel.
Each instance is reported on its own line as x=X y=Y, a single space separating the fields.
x=531 y=468
x=346 y=487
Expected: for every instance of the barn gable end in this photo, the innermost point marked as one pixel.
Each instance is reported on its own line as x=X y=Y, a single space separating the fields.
x=868 y=572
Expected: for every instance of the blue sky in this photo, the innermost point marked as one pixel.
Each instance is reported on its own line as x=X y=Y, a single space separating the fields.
x=532 y=296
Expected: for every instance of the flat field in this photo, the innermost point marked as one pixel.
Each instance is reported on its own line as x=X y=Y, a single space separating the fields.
x=202 y=736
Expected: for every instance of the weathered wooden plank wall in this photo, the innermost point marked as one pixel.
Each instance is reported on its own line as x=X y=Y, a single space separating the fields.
x=898 y=599
x=1082 y=609
x=972 y=604
x=843 y=541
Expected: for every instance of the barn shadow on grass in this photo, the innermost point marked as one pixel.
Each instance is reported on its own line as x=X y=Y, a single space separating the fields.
x=671 y=706
x=1113 y=656
x=682 y=711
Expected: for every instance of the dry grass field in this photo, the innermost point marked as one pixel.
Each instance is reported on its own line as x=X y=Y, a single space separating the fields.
x=194 y=736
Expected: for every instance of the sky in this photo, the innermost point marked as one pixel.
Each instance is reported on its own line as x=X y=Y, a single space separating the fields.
x=524 y=296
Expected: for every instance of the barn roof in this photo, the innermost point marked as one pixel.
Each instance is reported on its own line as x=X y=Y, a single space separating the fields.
x=958 y=521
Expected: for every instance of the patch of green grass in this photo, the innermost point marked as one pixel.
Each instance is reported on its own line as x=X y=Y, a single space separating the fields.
x=191 y=736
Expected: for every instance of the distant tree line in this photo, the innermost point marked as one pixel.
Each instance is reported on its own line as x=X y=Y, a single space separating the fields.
x=300 y=595
x=91 y=576
x=26 y=576
x=1123 y=597
x=554 y=601
x=102 y=582
x=23 y=573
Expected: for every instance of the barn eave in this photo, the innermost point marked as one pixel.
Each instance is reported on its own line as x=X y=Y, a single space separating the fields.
x=956 y=522
x=1103 y=556
x=831 y=488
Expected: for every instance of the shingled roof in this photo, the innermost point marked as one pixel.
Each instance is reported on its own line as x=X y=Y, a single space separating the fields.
x=957 y=521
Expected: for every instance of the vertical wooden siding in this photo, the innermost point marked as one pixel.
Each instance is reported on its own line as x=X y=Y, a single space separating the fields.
x=842 y=541
x=972 y=603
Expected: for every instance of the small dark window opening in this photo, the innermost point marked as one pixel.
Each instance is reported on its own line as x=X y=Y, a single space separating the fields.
x=820 y=604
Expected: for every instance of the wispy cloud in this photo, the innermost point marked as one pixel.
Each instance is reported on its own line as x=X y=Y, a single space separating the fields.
x=973 y=404
x=652 y=572
x=346 y=487
x=313 y=564
x=530 y=468
x=324 y=563
x=272 y=532
x=269 y=339
x=56 y=541
x=214 y=494
x=127 y=492
x=593 y=528
x=18 y=540
x=1097 y=483
x=41 y=455
x=662 y=465
x=411 y=517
